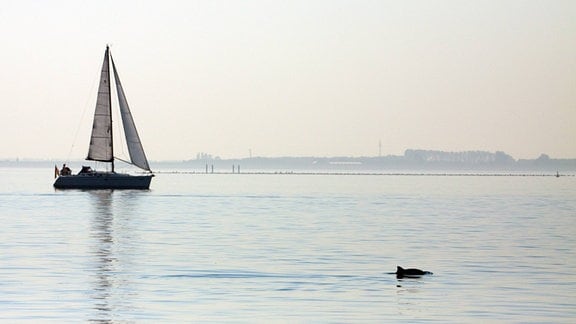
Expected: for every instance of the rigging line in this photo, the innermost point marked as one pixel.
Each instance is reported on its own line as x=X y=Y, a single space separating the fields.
x=130 y=163
x=88 y=99
x=127 y=162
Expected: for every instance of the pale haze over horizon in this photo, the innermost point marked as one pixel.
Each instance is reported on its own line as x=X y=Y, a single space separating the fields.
x=293 y=78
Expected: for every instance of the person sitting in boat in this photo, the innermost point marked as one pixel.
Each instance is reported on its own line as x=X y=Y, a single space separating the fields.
x=86 y=169
x=65 y=170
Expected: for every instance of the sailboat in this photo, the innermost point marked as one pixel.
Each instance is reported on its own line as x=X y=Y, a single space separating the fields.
x=101 y=146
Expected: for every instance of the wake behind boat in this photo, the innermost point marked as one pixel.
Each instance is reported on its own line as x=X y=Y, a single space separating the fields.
x=102 y=145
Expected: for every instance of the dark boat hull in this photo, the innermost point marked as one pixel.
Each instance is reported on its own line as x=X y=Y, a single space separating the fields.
x=103 y=180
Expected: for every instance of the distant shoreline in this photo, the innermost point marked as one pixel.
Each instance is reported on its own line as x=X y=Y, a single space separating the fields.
x=413 y=161
x=418 y=174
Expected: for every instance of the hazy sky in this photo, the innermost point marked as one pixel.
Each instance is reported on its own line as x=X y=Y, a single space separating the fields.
x=299 y=78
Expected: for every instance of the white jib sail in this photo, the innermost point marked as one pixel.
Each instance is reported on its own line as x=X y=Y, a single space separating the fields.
x=135 y=149
x=100 y=148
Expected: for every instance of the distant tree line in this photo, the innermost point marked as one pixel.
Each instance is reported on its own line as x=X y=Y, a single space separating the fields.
x=467 y=157
x=206 y=157
x=412 y=159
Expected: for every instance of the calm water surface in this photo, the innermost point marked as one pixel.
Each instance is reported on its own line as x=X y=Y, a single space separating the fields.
x=289 y=248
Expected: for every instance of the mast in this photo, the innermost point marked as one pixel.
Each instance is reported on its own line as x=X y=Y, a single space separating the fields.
x=110 y=109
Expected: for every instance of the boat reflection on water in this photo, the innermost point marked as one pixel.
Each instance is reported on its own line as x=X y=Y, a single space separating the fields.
x=111 y=289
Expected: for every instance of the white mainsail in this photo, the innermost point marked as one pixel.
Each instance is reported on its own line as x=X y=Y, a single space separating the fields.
x=100 y=148
x=135 y=148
